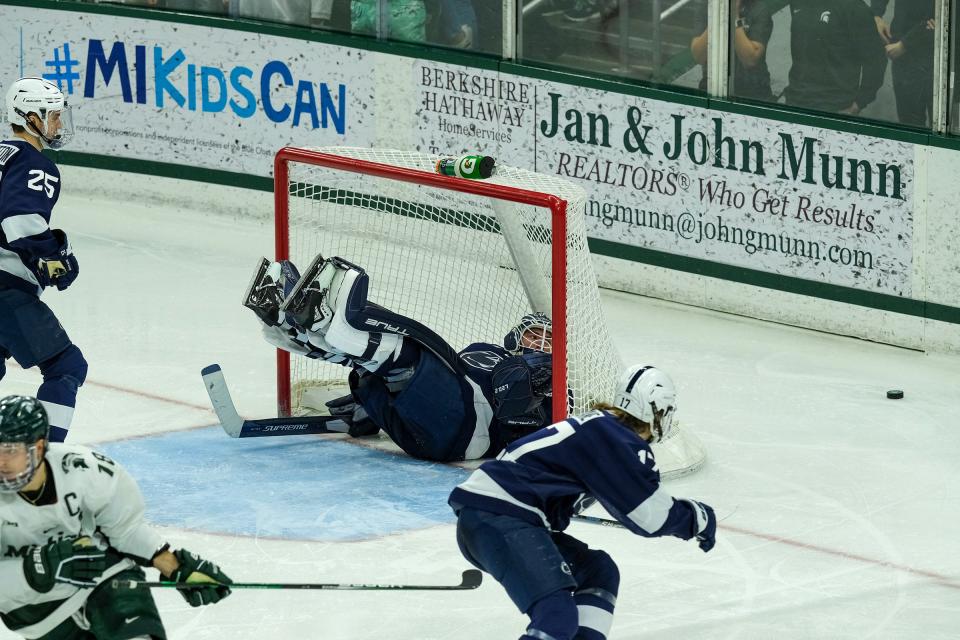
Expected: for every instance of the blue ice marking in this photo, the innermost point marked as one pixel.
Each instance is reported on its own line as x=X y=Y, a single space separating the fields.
x=294 y=487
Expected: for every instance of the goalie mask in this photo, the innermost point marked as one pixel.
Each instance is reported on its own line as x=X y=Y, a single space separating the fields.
x=648 y=394
x=534 y=333
x=40 y=98
x=23 y=422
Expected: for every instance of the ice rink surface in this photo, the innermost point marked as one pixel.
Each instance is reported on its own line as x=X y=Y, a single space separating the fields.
x=840 y=509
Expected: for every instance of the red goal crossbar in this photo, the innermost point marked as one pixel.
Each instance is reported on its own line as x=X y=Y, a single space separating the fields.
x=556 y=205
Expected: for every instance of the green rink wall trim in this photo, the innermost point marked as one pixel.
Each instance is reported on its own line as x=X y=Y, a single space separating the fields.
x=697 y=266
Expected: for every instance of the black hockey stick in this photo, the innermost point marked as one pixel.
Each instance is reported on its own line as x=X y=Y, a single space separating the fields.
x=471 y=580
x=603 y=522
x=237 y=427
x=607 y=522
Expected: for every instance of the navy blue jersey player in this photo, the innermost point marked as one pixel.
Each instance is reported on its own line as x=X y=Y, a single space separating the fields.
x=34 y=256
x=435 y=403
x=512 y=511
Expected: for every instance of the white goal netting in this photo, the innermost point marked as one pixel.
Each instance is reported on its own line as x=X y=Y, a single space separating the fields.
x=465 y=265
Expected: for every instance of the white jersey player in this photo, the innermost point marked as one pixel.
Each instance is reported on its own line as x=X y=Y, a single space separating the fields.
x=71 y=520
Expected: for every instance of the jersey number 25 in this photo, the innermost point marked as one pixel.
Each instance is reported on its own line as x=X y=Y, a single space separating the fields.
x=49 y=182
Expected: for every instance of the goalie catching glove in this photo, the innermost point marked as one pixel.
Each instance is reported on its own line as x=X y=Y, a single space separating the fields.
x=78 y=561
x=208 y=584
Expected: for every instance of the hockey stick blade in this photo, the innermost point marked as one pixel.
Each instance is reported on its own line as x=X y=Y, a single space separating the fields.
x=237 y=427
x=471 y=580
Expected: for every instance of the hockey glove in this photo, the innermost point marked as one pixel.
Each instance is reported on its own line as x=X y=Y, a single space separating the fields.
x=60 y=268
x=76 y=561
x=352 y=413
x=705 y=524
x=211 y=583
x=541 y=372
x=515 y=401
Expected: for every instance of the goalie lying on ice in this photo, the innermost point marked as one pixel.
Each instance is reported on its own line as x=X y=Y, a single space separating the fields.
x=435 y=403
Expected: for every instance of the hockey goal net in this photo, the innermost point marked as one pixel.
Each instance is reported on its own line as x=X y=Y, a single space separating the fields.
x=466 y=258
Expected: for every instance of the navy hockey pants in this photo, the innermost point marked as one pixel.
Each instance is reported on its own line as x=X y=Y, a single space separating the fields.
x=568 y=590
x=32 y=335
x=429 y=419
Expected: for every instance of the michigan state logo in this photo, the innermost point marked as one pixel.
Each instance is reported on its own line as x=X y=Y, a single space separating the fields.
x=73 y=461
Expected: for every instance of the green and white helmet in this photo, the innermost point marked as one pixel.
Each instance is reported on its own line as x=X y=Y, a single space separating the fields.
x=23 y=421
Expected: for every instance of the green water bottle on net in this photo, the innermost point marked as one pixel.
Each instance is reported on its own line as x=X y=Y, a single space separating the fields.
x=474 y=167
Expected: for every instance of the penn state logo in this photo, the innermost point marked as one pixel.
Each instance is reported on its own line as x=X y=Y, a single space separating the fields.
x=483 y=360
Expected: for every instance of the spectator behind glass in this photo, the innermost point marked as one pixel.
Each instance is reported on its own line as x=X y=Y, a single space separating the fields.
x=909 y=45
x=456 y=23
x=408 y=19
x=286 y=11
x=838 y=57
x=752 y=28
x=302 y=12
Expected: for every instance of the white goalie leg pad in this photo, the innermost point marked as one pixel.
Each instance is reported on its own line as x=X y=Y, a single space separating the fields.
x=371 y=351
x=278 y=337
x=323 y=350
x=386 y=352
x=339 y=334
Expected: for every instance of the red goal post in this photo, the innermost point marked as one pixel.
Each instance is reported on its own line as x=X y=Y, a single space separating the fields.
x=466 y=258
x=557 y=207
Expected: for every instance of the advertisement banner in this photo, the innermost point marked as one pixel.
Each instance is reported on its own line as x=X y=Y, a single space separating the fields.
x=776 y=197
x=773 y=197
x=191 y=95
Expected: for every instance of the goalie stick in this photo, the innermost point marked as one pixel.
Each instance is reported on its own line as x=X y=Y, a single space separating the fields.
x=471 y=580
x=237 y=427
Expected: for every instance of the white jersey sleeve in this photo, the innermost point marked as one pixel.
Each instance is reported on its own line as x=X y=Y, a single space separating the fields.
x=118 y=508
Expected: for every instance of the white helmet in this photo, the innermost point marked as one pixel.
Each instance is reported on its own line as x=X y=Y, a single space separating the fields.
x=43 y=98
x=534 y=333
x=648 y=394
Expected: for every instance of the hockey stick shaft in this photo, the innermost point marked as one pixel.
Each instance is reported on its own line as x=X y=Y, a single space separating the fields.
x=237 y=427
x=471 y=580
x=607 y=522
x=603 y=522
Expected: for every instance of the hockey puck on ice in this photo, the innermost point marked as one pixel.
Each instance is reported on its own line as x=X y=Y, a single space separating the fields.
x=895 y=394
